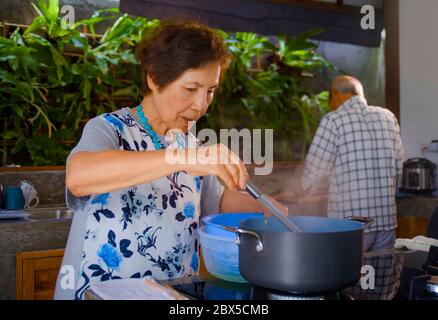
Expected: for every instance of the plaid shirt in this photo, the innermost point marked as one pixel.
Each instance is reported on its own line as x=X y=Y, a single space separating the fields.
x=358 y=147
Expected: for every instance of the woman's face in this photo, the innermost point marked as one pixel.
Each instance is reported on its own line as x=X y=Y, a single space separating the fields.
x=188 y=97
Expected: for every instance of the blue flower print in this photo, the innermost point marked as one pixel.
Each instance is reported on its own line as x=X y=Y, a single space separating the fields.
x=195 y=262
x=146 y=240
x=102 y=199
x=198 y=184
x=172 y=263
x=176 y=191
x=135 y=204
x=110 y=256
x=189 y=210
x=114 y=121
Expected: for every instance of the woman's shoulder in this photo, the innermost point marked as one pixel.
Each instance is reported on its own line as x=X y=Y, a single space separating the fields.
x=119 y=114
x=114 y=119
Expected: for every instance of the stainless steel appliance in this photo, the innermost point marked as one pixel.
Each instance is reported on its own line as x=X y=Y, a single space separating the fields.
x=418 y=176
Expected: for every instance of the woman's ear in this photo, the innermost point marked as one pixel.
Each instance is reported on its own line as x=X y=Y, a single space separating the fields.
x=151 y=84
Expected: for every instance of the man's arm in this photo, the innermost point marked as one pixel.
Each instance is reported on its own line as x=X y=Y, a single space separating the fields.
x=321 y=158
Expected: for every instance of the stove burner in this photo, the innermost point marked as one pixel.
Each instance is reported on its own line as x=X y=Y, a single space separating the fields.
x=291 y=296
x=258 y=293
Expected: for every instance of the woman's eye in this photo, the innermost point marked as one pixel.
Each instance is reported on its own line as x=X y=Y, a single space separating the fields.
x=210 y=91
x=191 y=89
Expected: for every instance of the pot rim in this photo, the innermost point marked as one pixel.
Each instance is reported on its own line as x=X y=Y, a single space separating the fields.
x=207 y=219
x=313 y=233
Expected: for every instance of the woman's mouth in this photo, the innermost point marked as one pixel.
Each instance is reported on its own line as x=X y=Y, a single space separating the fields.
x=188 y=122
x=188 y=119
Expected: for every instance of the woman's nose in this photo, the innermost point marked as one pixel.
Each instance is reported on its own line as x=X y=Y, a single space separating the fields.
x=201 y=102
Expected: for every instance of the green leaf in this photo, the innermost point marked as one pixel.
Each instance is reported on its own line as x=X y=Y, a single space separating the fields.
x=19 y=145
x=36 y=25
x=16 y=37
x=89 y=22
x=79 y=42
x=37 y=9
x=8 y=135
x=18 y=110
x=33 y=38
x=59 y=61
x=53 y=10
x=102 y=64
x=121 y=29
x=5 y=42
x=76 y=70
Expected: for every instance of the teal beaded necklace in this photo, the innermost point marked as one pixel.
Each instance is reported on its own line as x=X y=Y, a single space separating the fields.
x=148 y=128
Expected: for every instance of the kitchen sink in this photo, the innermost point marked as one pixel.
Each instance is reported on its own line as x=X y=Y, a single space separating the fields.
x=58 y=213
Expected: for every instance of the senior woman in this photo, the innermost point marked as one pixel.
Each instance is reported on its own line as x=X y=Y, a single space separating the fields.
x=136 y=213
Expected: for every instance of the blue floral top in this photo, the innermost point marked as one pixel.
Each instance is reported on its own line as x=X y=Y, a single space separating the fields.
x=145 y=230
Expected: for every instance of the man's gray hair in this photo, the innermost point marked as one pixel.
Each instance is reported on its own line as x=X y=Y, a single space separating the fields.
x=346 y=85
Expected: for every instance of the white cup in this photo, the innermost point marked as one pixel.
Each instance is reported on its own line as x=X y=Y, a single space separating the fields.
x=31 y=199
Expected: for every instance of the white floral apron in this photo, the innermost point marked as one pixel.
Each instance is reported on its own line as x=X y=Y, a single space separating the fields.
x=146 y=230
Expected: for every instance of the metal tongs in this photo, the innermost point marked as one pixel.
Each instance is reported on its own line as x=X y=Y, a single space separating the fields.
x=250 y=188
x=256 y=194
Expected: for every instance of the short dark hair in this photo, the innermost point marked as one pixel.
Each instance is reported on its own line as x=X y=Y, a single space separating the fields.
x=175 y=46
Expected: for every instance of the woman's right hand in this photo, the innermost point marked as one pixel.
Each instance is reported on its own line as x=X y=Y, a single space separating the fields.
x=215 y=160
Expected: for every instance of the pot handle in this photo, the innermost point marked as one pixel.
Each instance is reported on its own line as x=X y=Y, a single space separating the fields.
x=259 y=247
x=366 y=221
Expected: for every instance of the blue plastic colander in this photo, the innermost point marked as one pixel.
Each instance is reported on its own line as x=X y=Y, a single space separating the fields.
x=221 y=256
x=213 y=223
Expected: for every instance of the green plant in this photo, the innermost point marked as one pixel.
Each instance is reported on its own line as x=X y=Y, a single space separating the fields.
x=53 y=78
x=46 y=92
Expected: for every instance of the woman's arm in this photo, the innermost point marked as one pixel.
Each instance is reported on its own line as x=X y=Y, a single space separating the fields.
x=238 y=201
x=106 y=171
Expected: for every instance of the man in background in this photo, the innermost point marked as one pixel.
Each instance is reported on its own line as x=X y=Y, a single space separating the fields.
x=359 y=149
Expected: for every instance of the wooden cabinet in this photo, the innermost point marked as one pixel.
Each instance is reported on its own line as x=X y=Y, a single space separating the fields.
x=411 y=226
x=36 y=274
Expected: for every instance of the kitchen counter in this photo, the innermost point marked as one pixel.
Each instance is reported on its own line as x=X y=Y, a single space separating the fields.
x=24 y=235
x=416 y=205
